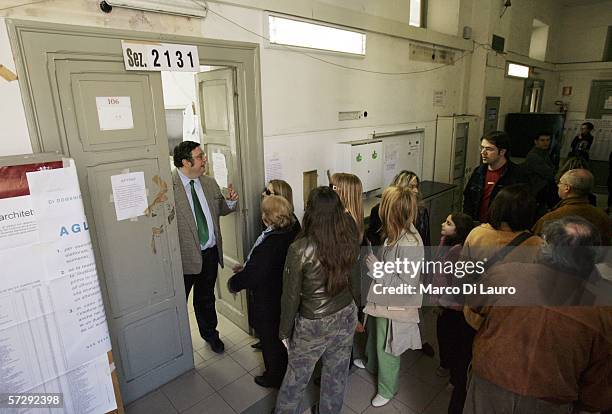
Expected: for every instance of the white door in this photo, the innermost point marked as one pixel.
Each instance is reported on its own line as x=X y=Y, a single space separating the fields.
x=217 y=107
x=138 y=260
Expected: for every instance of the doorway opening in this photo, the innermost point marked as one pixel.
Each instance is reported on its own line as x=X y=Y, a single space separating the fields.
x=199 y=106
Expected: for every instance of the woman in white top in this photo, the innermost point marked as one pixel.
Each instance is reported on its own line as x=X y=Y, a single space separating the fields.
x=392 y=321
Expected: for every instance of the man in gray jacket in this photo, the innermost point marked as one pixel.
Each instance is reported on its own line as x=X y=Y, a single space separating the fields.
x=199 y=203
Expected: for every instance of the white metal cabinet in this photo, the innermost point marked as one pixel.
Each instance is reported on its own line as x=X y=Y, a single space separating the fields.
x=364 y=159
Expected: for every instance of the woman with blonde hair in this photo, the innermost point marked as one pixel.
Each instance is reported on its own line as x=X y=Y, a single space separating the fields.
x=279 y=188
x=392 y=321
x=262 y=274
x=404 y=179
x=349 y=188
x=283 y=189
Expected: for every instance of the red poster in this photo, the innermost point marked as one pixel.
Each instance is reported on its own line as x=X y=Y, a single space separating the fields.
x=13 y=181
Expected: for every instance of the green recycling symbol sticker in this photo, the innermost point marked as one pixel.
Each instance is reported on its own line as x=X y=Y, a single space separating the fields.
x=374 y=155
x=359 y=158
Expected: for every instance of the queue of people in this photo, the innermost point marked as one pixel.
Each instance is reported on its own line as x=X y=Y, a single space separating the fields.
x=313 y=288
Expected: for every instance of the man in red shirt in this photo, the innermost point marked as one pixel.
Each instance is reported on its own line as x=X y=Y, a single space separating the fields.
x=495 y=172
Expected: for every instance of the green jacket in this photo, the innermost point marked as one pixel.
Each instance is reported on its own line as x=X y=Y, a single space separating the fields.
x=304 y=288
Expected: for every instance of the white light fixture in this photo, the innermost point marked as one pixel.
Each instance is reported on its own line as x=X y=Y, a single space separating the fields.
x=300 y=33
x=517 y=71
x=192 y=8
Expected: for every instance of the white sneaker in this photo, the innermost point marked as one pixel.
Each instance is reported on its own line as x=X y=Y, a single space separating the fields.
x=359 y=363
x=379 y=401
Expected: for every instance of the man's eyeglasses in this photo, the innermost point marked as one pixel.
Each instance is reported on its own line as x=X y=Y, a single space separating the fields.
x=487 y=149
x=268 y=192
x=333 y=187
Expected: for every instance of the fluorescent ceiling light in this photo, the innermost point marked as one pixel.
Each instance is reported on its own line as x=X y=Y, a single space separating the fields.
x=290 y=32
x=518 y=71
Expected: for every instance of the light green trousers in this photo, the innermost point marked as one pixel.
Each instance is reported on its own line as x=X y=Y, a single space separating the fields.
x=380 y=363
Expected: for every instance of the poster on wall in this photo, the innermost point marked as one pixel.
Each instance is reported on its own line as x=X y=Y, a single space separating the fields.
x=54 y=337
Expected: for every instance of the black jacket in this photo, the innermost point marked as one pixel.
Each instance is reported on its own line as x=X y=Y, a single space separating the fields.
x=472 y=194
x=374 y=232
x=263 y=275
x=581 y=146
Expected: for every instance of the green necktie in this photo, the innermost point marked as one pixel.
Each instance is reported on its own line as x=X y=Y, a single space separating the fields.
x=199 y=213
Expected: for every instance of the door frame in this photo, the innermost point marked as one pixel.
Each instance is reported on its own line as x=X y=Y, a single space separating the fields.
x=46 y=128
x=593 y=112
x=35 y=65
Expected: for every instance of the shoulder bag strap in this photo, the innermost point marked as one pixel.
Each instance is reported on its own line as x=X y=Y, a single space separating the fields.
x=503 y=252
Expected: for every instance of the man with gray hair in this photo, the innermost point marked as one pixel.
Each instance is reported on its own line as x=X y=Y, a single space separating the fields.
x=574 y=188
x=542 y=350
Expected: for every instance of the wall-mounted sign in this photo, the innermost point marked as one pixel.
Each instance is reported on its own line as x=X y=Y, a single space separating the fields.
x=439 y=98
x=114 y=112
x=160 y=56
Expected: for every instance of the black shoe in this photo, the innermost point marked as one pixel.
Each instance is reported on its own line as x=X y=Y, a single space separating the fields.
x=256 y=345
x=217 y=345
x=265 y=382
x=428 y=350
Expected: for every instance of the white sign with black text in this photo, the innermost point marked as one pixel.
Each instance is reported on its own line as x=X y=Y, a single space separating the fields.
x=160 y=56
x=114 y=112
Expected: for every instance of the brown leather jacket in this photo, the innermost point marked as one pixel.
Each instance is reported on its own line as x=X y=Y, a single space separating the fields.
x=304 y=289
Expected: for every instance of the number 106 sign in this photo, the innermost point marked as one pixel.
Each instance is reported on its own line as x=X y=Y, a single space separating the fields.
x=160 y=56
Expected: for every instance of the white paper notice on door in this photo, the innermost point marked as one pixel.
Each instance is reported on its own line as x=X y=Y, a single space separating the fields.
x=129 y=195
x=220 y=169
x=114 y=112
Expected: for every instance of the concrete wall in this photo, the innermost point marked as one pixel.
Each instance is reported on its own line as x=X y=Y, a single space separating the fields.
x=301 y=96
x=443 y=16
x=580 y=80
x=584 y=32
x=516 y=26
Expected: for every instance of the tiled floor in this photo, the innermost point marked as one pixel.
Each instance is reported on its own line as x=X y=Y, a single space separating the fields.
x=222 y=384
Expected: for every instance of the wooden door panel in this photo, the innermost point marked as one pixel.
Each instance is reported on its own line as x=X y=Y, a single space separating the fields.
x=218 y=120
x=138 y=259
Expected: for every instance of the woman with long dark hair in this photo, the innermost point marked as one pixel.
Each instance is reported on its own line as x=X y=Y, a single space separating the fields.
x=450 y=321
x=318 y=314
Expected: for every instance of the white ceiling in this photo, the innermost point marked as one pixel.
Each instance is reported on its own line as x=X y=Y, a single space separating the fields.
x=572 y=3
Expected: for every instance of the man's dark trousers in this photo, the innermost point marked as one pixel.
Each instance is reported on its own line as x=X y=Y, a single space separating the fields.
x=204 y=294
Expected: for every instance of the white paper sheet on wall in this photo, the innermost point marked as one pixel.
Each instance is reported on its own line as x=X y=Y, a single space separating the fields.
x=391 y=160
x=114 y=112
x=52 y=320
x=220 y=169
x=439 y=98
x=17 y=222
x=274 y=167
x=129 y=195
x=191 y=124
